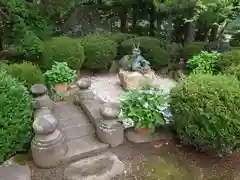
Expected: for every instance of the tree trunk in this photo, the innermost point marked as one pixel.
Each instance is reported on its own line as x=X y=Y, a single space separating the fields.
x=189 y=36
x=169 y=28
x=134 y=18
x=152 y=21
x=214 y=32
x=123 y=19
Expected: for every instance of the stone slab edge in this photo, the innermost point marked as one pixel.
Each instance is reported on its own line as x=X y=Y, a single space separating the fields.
x=90 y=104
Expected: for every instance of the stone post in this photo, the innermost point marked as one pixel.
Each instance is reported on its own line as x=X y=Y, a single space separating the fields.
x=48 y=145
x=110 y=130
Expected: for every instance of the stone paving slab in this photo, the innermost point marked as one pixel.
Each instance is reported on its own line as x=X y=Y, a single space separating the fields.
x=102 y=167
x=15 y=173
x=79 y=132
x=83 y=148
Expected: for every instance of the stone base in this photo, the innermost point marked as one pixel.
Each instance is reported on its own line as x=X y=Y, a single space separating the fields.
x=103 y=167
x=132 y=80
x=15 y=173
x=110 y=132
x=135 y=137
x=48 y=150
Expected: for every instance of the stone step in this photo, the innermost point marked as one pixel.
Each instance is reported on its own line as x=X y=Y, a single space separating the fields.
x=84 y=147
x=105 y=166
x=78 y=131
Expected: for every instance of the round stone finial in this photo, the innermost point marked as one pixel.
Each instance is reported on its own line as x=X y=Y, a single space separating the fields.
x=84 y=83
x=44 y=122
x=110 y=110
x=38 y=90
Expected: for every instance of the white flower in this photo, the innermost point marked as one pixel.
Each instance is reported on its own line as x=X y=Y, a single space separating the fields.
x=127 y=123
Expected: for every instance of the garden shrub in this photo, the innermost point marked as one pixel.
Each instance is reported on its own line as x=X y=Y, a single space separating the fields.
x=120 y=37
x=191 y=50
x=228 y=59
x=218 y=46
x=63 y=49
x=99 y=52
x=15 y=117
x=206 y=111
x=26 y=72
x=152 y=49
x=235 y=39
x=204 y=62
x=234 y=70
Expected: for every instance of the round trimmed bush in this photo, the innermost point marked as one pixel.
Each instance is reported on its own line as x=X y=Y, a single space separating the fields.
x=99 y=52
x=152 y=49
x=206 y=111
x=227 y=60
x=120 y=37
x=15 y=117
x=27 y=73
x=63 y=49
x=191 y=50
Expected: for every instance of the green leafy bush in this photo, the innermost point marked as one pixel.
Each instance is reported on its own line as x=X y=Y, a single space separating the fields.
x=206 y=111
x=144 y=107
x=228 y=59
x=234 y=70
x=99 y=52
x=192 y=49
x=152 y=49
x=204 y=62
x=63 y=49
x=26 y=72
x=120 y=37
x=15 y=117
x=60 y=73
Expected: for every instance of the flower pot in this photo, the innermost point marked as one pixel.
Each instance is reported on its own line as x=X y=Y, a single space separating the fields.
x=143 y=131
x=61 y=88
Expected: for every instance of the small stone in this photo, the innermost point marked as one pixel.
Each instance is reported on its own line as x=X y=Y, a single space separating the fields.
x=103 y=167
x=44 y=122
x=110 y=110
x=84 y=83
x=38 y=90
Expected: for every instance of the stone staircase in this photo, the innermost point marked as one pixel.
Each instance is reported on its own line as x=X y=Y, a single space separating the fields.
x=80 y=133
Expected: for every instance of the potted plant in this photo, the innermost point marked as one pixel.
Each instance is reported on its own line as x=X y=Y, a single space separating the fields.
x=143 y=107
x=60 y=76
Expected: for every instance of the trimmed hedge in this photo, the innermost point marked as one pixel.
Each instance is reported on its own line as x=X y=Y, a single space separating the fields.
x=120 y=37
x=191 y=50
x=152 y=49
x=206 y=111
x=227 y=60
x=27 y=73
x=99 y=52
x=63 y=49
x=15 y=117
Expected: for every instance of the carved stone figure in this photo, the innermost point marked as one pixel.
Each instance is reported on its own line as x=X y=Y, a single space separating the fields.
x=136 y=62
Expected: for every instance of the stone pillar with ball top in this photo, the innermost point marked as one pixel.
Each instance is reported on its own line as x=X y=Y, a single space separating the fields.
x=110 y=130
x=48 y=145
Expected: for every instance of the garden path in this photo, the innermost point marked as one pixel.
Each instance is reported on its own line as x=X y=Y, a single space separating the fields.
x=80 y=133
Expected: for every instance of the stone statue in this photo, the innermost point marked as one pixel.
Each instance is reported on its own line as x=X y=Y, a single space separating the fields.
x=136 y=62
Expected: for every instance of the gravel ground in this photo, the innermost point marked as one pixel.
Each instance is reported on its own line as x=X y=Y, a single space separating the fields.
x=137 y=158
x=108 y=88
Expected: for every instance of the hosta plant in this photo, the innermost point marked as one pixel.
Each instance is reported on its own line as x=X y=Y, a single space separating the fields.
x=204 y=62
x=144 y=108
x=60 y=73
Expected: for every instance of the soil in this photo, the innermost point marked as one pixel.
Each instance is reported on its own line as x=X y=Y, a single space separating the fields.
x=163 y=160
